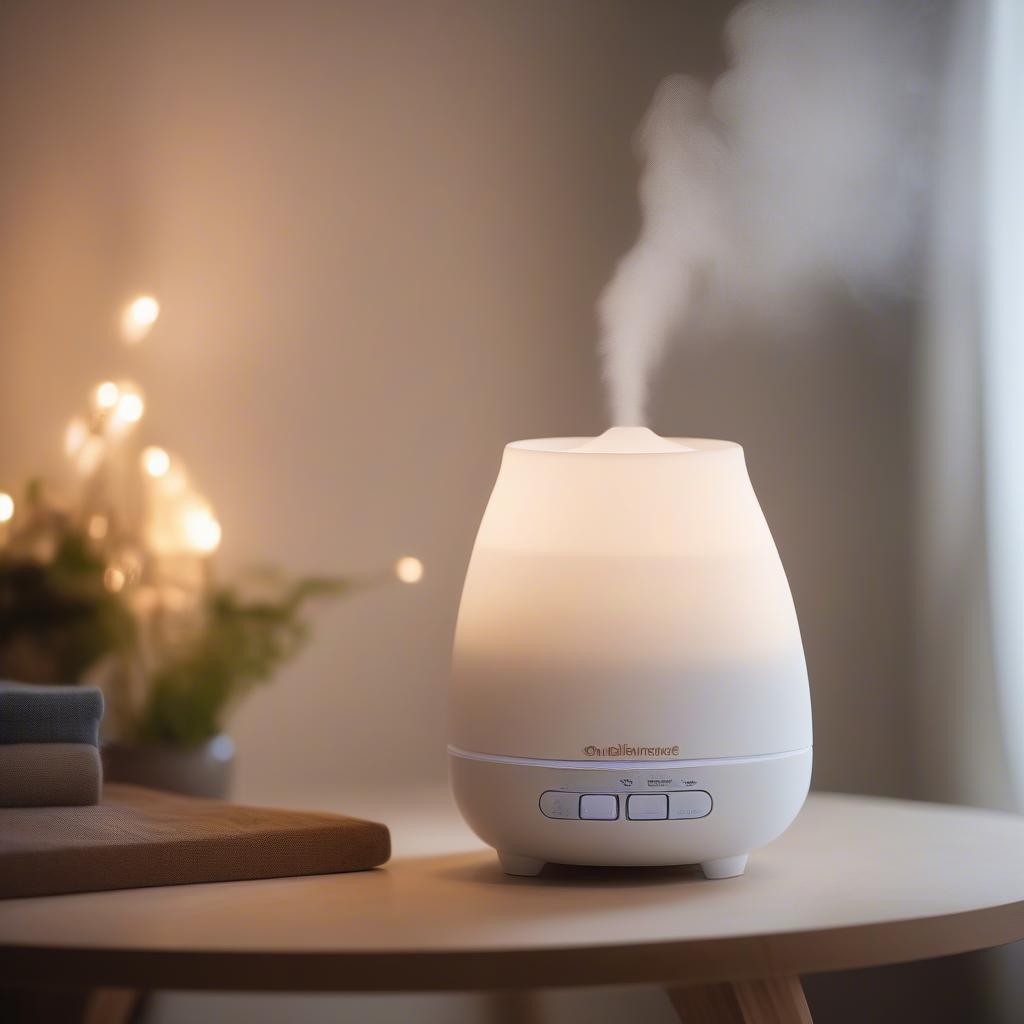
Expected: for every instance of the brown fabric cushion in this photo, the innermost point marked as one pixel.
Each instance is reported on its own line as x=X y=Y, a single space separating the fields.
x=49 y=774
x=138 y=837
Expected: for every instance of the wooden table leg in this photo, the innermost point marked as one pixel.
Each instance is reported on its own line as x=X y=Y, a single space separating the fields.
x=521 y=1007
x=56 y=1006
x=764 y=1001
x=113 y=1006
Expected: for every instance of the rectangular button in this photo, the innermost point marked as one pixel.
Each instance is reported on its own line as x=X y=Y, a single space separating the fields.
x=599 y=807
x=647 y=806
x=554 y=804
x=696 y=803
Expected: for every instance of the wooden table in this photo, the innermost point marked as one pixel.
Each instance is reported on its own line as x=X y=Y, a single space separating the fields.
x=855 y=882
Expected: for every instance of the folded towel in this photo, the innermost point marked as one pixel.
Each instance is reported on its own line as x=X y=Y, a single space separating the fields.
x=49 y=774
x=49 y=714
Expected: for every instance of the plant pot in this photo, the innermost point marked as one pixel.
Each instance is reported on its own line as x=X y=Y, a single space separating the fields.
x=205 y=770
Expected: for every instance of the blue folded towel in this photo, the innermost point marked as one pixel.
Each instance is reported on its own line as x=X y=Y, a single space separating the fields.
x=50 y=714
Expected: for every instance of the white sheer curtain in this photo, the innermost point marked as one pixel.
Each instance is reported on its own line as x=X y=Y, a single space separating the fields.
x=970 y=721
x=1003 y=365
x=962 y=753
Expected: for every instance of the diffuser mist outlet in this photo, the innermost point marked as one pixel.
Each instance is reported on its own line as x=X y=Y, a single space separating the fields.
x=628 y=682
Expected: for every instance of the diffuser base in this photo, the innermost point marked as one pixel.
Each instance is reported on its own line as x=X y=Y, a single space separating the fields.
x=627 y=813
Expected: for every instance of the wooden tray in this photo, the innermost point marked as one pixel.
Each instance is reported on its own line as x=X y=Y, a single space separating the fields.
x=139 y=837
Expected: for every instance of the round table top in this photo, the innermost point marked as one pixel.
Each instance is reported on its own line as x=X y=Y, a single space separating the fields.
x=856 y=881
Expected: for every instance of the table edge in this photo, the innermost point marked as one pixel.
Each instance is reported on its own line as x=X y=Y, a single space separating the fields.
x=729 y=958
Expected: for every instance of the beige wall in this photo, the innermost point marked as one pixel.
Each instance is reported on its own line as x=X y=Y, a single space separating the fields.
x=377 y=231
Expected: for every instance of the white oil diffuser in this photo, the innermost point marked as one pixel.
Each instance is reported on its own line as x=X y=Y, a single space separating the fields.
x=628 y=683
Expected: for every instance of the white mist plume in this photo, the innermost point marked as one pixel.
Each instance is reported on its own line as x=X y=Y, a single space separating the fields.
x=682 y=232
x=806 y=170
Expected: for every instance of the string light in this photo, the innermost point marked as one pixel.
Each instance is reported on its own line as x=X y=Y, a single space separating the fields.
x=97 y=526
x=201 y=529
x=113 y=579
x=139 y=317
x=6 y=507
x=107 y=394
x=409 y=569
x=130 y=407
x=156 y=462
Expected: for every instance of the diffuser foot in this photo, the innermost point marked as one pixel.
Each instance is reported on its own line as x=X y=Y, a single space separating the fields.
x=515 y=864
x=724 y=867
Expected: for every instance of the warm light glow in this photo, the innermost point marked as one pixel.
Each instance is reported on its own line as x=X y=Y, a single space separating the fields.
x=130 y=564
x=144 y=310
x=146 y=599
x=201 y=529
x=139 y=317
x=174 y=482
x=113 y=579
x=6 y=507
x=97 y=526
x=126 y=411
x=175 y=599
x=155 y=461
x=90 y=455
x=107 y=394
x=130 y=408
x=75 y=436
x=409 y=569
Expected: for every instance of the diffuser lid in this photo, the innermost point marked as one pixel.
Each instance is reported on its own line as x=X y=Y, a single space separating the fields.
x=631 y=441
x=621 y=441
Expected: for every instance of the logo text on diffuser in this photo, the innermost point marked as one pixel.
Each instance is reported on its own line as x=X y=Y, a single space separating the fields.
x=628 y=750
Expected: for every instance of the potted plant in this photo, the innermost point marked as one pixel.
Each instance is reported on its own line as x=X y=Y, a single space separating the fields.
x=173 y=736
x=116 y=586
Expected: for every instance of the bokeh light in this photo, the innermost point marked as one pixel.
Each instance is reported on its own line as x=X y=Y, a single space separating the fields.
x=155 y=461
x=6 y=507
x=409 y=569
x=130 y=408
x=201 y=529
x=107 y=394
x=113 y=579
x=139 y=317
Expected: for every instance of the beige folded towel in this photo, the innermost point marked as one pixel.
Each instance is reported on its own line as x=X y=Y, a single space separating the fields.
x=49 y=774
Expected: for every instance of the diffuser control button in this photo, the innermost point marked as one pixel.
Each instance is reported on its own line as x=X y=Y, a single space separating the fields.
x=599 y=807
x=554 y=804
x=696 y=803
x=647 y=806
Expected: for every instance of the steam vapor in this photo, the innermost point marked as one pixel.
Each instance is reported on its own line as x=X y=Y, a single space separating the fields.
x=682 y=233
x=804 y=168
